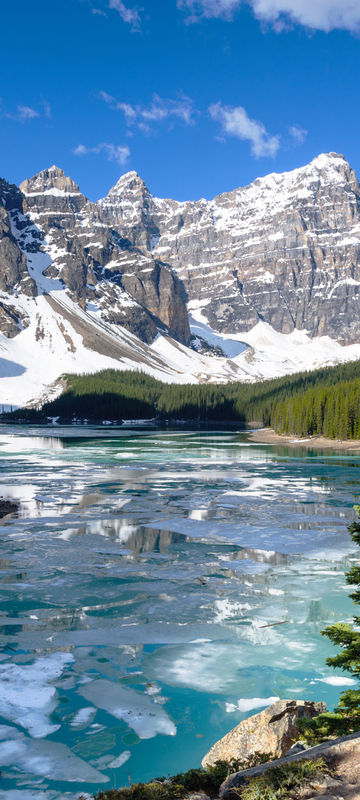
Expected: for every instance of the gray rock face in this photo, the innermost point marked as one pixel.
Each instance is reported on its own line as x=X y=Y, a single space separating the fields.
x=14 y=275
x=285 y=249
x=100 y=269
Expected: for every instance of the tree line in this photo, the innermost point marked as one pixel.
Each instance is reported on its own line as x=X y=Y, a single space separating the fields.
x=325 y=401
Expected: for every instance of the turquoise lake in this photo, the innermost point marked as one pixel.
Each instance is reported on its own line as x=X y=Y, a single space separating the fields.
x=135 y=582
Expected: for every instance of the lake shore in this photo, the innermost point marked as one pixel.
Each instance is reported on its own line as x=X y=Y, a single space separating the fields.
x=268 y=436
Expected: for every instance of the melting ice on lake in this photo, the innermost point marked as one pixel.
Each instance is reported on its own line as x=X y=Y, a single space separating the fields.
x=135 y=583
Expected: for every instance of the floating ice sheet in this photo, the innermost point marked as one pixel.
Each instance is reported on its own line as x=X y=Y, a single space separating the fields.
x=42 y=757
x=135 y=709
x=27 y=696
x=248 y=704
x=83 y=717
x=120 y=760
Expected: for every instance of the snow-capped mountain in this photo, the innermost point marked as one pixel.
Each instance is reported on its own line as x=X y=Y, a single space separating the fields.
x=270 y=274
x=285 y=249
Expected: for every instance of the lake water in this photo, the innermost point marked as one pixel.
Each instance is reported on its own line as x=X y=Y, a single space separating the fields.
x=135 y=583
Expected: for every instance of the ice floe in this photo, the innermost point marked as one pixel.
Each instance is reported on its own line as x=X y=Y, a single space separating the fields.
x=248 y=704
x=27 y=696
x=135 y=709
x=49 y=759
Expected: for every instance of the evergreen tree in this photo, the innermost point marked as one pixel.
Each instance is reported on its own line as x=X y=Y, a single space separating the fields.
x=346 y=717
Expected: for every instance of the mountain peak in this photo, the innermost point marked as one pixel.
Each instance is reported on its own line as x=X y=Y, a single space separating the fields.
x=129 y=181
x=52 y=180
x=326 y=159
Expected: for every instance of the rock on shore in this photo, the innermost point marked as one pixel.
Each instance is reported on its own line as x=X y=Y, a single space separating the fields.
x=272 y=731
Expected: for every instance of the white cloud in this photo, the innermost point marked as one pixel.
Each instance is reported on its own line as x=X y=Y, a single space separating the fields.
x=25 y=112
x=324 y=15
x=113 y=152
x=159 y=110
x=298 y=134
x=129 y=111
x=129 y=15
x=235 y=121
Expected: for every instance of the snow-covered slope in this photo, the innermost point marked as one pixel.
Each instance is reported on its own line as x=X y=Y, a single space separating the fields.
x=62 y=338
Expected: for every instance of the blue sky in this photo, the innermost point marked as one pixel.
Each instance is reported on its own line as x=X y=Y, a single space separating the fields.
x=197 y=96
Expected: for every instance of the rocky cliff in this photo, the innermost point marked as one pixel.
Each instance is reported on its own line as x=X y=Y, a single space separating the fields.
x=285 y=249
x=96 y=264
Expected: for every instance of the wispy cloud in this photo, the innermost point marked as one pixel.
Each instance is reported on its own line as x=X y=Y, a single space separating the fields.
x=114 y=152
x=197 y=9
x=324 y=15
x=235 y=121
x=23 y=113
x=159 y=110
x=298 y=134
x=47 y=108
x=129 y=15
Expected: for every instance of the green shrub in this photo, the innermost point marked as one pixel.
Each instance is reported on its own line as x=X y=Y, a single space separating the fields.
x=153 y=790
x=277 y=783
x=174 y=787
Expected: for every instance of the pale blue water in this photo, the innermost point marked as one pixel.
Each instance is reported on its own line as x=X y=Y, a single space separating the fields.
x=133 y=587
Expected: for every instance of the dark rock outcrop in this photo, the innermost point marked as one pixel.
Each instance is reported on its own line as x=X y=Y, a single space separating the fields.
x=14 y=274
x=7 y=507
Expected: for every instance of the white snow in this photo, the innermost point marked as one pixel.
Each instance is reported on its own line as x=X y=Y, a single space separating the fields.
x=53 y=191
x=274 y=237
x=30 y=364
x=230 y=347
x=343 y=282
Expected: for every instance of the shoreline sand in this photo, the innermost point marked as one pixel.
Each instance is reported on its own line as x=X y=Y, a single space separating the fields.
x=268 y=436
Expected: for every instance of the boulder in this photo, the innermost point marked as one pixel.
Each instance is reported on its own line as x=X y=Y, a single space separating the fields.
x=272 y=731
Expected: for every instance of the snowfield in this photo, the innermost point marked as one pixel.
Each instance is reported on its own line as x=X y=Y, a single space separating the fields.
x=61 y=338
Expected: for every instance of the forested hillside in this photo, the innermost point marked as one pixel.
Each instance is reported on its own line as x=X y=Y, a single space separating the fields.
x=325 y=402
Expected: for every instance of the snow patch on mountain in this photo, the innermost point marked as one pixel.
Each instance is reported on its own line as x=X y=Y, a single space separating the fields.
x=31 y=363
